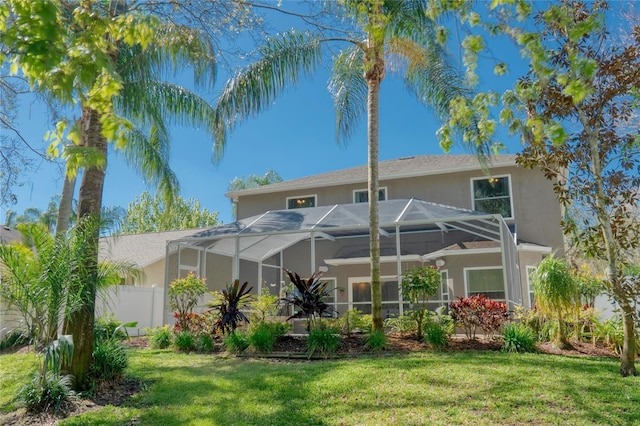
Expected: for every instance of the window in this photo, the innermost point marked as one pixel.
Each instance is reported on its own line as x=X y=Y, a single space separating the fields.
x=487 y=281
x=362 y=195
x=360 y=295
x=493 y=195
x=301 y=202
x=530 y=271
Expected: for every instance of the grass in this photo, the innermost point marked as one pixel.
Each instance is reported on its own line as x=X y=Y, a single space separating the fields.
x=466 y=388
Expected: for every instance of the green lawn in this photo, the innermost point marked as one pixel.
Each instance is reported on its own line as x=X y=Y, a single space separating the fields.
x=474 y=388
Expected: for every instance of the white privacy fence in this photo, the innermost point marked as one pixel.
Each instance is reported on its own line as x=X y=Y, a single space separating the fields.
x=128 y=304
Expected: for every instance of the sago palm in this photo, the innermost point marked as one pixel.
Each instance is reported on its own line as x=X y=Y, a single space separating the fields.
x=381 y=33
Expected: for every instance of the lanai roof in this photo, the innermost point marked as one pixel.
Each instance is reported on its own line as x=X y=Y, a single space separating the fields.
x=262 y=236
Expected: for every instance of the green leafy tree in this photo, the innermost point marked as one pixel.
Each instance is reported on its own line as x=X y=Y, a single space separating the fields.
x=378 y=30
x=575 y=110
x=418 y=284
x=152 y=214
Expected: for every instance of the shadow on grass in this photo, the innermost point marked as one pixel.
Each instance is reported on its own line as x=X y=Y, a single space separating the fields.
x=439 y=388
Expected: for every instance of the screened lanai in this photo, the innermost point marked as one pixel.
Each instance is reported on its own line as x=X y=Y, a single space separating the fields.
x=309 y=239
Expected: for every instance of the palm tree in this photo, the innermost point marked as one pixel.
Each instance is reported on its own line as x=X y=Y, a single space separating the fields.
x=252 y=181
x=387 y=30
x=38 y=276
x=556 y=294
x=148 y=105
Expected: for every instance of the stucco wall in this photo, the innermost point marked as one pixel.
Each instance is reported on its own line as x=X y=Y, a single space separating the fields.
x=535 y=209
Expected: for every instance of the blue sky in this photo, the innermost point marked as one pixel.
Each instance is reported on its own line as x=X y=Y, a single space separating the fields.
x=295 y=137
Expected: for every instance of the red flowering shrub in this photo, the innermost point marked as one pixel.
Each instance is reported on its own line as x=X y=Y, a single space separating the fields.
x=472 y=312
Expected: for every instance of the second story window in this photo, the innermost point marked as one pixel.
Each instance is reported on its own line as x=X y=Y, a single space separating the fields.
x=362 y=195
x=301 y=202
x=493 y=195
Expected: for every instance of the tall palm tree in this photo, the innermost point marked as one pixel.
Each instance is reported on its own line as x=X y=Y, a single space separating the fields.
x=148 y=105
x=385 y=31
x=151 y=104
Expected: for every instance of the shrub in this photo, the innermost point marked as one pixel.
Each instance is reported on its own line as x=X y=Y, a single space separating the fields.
x=435 y=333
x=309 y=298
x=376 y=341
x=403 y=324
x=518 y=338
x=534 y=320
x=263 y=306
x=236 y=342
x=185 y=341
x=204 y=343
x=110 y=358
x=14 y=338
x=105 y=328
x=48 y=393
x=353 y=320
x=472 y=312
x=265 y=335
x=609 y=332
x=418 y=284
x=324 y=340
x=161 y=337
x=184 y=294
x=229 y=305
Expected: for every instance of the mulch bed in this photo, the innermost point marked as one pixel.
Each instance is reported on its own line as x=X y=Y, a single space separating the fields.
x=117 y=393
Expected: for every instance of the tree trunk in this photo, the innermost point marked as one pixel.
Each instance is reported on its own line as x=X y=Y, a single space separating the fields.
x=80 y=323
x=373 y=74
x=373 y=104
x=64 y=209
x=627 y=367
x=629 y=349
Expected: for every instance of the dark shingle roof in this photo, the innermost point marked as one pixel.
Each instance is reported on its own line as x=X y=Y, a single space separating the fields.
x=406 y=167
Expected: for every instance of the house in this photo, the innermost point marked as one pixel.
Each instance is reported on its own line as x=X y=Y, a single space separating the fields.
x=140 y=297
x=484 y=228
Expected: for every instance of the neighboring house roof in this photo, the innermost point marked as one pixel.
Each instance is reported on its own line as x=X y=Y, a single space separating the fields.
x=141 y=249
x=406 y=167
x=8 y=235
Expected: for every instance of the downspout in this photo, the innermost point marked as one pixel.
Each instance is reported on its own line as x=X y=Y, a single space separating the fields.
x=165 y=292
x=236 y=261
x=260 y=277
x=313 y=254
x=399 y=270
x=505 y=275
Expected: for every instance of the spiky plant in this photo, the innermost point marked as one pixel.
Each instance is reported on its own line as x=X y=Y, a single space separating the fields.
x=308 y=298
x=234 y=298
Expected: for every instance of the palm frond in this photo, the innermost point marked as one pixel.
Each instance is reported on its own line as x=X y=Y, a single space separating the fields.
x=349 y=90
x=285 y=58
x=174 y=49
x=150 y=154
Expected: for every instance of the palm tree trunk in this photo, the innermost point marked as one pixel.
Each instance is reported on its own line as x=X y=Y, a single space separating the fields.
x=64 y=209
x=373 y=106
x=80 y=323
